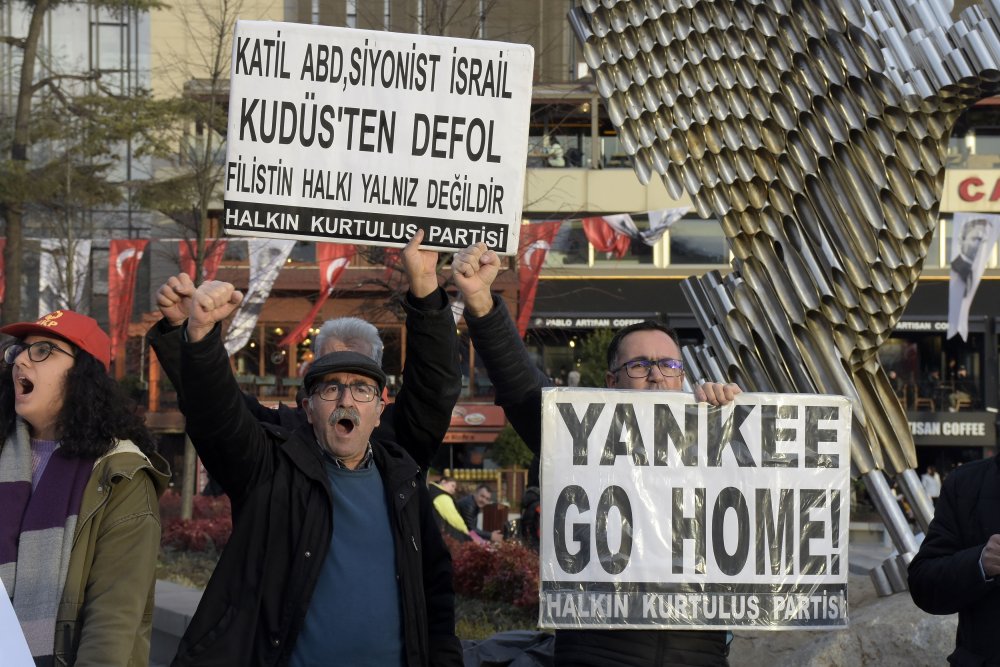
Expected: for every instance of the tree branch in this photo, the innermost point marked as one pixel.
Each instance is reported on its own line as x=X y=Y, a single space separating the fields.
x=19 y=42
x=51 y=81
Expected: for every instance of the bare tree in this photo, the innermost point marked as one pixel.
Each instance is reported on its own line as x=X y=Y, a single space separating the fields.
x=62 y=130
x=191 y=181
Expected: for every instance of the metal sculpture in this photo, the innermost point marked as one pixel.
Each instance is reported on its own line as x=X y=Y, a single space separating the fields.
x=815 y=131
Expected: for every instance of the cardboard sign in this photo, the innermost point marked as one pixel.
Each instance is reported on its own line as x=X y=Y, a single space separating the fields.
x=13 y=646
x=363 y=137
x=660 y=512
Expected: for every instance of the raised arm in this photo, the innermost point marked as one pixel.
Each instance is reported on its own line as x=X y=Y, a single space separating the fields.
x=165 y=338
x=231 y=443
x=432 y=380
x=518 y=382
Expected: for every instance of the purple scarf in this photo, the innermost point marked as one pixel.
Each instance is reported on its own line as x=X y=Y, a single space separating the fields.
x=36 y=534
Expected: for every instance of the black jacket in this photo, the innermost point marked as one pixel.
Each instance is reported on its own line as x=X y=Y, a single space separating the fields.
x=519 y=385
x=254 y=605
x=421 y=413
x=945 y=577
x=469 y=511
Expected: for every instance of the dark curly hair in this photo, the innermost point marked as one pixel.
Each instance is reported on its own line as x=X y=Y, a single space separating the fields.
x=95 y=411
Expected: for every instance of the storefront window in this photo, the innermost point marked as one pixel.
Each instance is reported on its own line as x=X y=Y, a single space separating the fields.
x=559 y=151
x=933 y=374
x=614 y=154
x=697 y=241
x=569 y=247
x=637 y=253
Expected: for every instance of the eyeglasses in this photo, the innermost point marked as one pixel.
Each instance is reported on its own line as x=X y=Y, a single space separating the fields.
x=362 y=392
x=38 y=351
x=640 y=368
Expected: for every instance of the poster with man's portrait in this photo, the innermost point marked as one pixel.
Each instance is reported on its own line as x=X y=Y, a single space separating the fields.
x=973 y=238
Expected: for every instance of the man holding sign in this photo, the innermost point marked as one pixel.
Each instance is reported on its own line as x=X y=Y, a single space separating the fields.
x=645 y=356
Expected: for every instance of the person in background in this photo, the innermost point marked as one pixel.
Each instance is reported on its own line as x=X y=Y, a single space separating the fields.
x=448 y=519
x=932 y=484
x=554 y=155
x=641 y=356
x=79 y=489
x=962 y=388
x=421 y=413
x=957 y=568
x=469 y=507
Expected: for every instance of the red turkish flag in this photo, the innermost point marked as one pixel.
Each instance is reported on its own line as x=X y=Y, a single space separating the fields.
x=333 y=259
x=123 y=265
x=536 y=239
x=393 y=259
x=214 y=250
x=605 y=238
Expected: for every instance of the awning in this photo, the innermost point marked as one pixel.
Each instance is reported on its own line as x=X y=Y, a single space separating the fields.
x=475 y=423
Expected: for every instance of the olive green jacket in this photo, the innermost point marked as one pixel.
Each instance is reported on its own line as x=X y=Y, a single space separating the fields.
x=105 y=614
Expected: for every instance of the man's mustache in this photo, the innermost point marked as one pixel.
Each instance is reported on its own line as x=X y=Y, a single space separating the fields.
x=345 y=412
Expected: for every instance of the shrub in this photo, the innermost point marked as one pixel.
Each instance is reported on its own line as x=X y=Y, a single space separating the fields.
x=505 y=572
x=197 y=534
x=209 y=528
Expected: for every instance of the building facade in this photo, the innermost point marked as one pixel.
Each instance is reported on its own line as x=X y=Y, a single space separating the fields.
x=582 y=288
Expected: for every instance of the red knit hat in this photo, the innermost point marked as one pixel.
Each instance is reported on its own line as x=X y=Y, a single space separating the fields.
x=80 y=330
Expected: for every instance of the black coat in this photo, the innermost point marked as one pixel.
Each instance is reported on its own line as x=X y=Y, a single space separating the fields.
x=945 y=576
x=467 y=507
x=469 y=511
x=519 y=384
x=255 y=603
x=419 y=416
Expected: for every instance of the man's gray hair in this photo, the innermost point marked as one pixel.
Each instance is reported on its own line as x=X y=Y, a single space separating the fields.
x=353 y=332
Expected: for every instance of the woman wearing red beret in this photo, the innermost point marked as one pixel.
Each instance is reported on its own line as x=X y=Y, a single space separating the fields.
x=79 y=488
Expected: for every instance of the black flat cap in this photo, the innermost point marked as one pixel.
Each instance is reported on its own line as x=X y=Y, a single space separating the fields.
x=343 y=362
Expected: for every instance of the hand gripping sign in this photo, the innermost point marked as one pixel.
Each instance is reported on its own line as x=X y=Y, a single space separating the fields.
x=363 y=137
x=660 y=512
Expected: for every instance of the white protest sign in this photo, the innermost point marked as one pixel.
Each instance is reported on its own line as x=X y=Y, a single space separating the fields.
x=363 y=137
x=13 y=646
x=660 y=512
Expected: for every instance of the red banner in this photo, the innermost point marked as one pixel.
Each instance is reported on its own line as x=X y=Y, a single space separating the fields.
x=536 y=239
x=123 y=264
x=393 y=259
x=333 y=259
x=604 y=238
x=214 y=250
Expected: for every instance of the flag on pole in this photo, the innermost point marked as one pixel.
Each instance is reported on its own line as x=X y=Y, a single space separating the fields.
x=123 y=266
x=62 y=274
x=536 y=239
x=606 y=238
x=972 y=239
x=214 y=250
x=333 y=259
x=267 y=256
x=660 y=221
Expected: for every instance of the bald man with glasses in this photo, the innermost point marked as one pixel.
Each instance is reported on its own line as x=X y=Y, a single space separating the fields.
x=642 y=356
